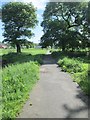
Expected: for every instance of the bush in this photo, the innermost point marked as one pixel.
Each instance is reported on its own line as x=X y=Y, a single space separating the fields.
x=71 y=65
x=80 y=72
x=17 y=81
x=83 y=80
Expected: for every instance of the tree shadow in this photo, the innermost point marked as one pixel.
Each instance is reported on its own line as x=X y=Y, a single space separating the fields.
x=81 y=56
x=74 y=112
x=80 y=95
x=14 y=58
x=48 y=59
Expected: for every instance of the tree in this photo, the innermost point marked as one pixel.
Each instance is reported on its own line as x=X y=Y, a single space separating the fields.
x=86 y=29
x=18 y=18
x=67 y=19
x=28 y=44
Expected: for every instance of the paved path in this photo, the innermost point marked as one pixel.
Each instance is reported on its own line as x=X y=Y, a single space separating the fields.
x=55 y=95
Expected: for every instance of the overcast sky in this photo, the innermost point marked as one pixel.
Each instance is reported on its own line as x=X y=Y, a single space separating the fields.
x=40 y=4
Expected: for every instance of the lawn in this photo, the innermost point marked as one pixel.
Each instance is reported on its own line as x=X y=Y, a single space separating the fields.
x=27 y=55
x=6 y=51
x=29 y=51
x=34 y=51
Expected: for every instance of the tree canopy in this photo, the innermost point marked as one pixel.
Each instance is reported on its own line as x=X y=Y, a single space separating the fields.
x=66 y=24
x=18 y=18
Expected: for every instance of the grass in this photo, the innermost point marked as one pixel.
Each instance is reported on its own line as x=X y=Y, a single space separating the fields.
x=19 y=74
x=28 y=51
x=6 y=51
x=17 y=81
x=34 y=51
x=83 y=79
x=26 y=56
x=77 y=64
x=71 y=65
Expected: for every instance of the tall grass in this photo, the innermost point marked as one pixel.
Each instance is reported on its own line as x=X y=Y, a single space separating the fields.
x=19 y=74
x=71 y=65
x=17 y=82
x=79 y=72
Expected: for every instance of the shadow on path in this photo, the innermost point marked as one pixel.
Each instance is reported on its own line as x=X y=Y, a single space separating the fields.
x=79 y=109
x=47 y=59
x=80 y=95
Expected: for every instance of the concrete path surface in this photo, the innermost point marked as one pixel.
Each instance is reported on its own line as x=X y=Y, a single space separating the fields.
x=55 y=95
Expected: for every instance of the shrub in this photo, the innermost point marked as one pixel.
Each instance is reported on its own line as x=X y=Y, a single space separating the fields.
x=17 y=81
x=80 y=72
x=70 y=65
x=83 y=80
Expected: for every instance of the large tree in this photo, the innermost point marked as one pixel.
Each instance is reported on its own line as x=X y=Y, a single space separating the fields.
x=18 y=18
x=67 y=19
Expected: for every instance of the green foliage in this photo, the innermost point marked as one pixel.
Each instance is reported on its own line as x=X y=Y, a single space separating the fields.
x=17 y=82
x=79 y=70
x=18 y=19
x=32 y=51
x=26 y=56
x=20 y=58
x=83 y=79
x=71 y=65
x=65 y=24
x=20 y=72
x=6 y=51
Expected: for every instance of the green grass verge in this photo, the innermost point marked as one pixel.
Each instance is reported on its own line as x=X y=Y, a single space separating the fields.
x=17 y=81
x=26 y=56
x=83 y=79
x=20 y=72
x=14 y=58
x=71 y=65
x=77 y=63
x=6 y=51
x=32 y=51
x=79 y=72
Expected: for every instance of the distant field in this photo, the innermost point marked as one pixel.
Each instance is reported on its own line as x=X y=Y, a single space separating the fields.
x=28 y=51
x=34 y=51
x=6 y=51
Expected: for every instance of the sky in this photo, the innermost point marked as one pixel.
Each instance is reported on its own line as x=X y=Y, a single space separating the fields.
x=40 y=5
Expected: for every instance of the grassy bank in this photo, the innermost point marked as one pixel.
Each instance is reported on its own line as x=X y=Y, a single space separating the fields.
x=19 y=74
x=17 y=81
x=26 y=56
x=77 y=64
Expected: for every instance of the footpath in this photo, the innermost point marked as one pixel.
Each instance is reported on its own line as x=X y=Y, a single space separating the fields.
x=55 y=95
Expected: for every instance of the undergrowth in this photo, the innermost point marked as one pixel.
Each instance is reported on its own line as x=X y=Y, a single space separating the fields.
x=17 y=82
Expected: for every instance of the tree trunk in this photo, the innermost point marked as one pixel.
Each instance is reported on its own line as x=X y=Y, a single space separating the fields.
x=18 y=48
x=63 y=45
x=72 y=49
x=51 y=46
x=63 y=48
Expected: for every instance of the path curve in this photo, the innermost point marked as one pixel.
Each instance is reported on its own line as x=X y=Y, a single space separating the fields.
x=55 y=95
